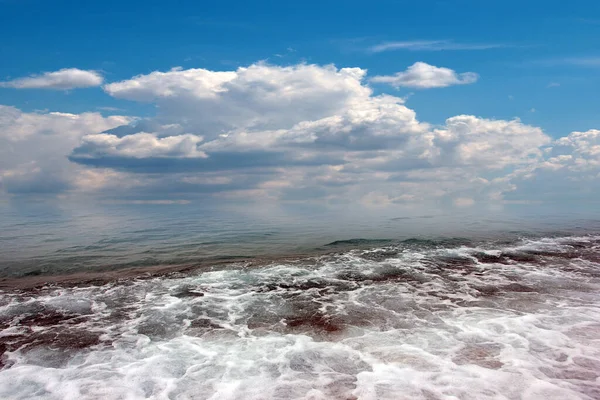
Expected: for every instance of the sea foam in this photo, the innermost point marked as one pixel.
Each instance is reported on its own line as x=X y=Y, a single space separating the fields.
x=402 y=321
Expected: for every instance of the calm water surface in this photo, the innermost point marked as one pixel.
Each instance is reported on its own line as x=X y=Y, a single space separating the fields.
x=37 y=239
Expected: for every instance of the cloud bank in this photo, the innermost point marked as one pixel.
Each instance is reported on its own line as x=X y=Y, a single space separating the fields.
x=271 y=133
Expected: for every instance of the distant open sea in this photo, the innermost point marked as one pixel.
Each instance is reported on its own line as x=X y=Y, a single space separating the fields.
x=176 y=301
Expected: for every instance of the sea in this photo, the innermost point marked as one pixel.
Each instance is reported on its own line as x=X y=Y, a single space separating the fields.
x=177 y=300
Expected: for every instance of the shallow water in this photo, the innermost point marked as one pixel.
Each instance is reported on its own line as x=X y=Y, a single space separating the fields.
x=509 y=317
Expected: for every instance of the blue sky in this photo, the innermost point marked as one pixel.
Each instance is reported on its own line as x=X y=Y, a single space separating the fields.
x=543 y=39
x=534 y=60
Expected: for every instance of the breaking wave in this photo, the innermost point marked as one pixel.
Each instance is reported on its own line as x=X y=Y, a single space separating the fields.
x=449 y=319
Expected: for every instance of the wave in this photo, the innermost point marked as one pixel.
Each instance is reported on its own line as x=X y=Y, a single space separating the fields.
x=359 y=242
x=418 y=320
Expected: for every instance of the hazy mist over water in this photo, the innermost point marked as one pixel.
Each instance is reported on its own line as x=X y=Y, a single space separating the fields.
x=42 y=238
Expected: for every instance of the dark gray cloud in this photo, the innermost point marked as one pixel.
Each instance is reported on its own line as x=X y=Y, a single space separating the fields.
x=39 y=183
x=218 y=161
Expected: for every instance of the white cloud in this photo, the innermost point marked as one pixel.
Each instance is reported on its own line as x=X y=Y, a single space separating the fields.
x=307 y=131
x=34 y=148
x=372 y=124
x=64 y=79
x=199 y=83
x=297 y=133
x=580 y=151
x=259 y=96
x=569 y=170
x=488 y=144
x=432 y=45
x=141 y=145
x=16 y=125
x=424 y=76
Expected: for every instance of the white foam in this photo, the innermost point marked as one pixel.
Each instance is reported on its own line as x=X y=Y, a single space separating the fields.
x=333 y=329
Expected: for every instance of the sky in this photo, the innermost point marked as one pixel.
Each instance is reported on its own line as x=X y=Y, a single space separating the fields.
x=452 y=104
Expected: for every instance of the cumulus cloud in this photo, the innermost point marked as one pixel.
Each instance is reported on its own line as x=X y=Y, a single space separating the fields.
x=374 y=123
x=17 y=126
x=263 y=116
x=576 y=156
x=141 y=145
x=296 y=133
x=582 y=145
x=34 y=148
x=256 y=97
x=199 y=83
x=305 y=131
x=568 y=170
x=489 y=144
x=421 y=75
x=64 y=79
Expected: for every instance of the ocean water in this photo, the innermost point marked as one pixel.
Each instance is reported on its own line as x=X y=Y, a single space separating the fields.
x=178 y=302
